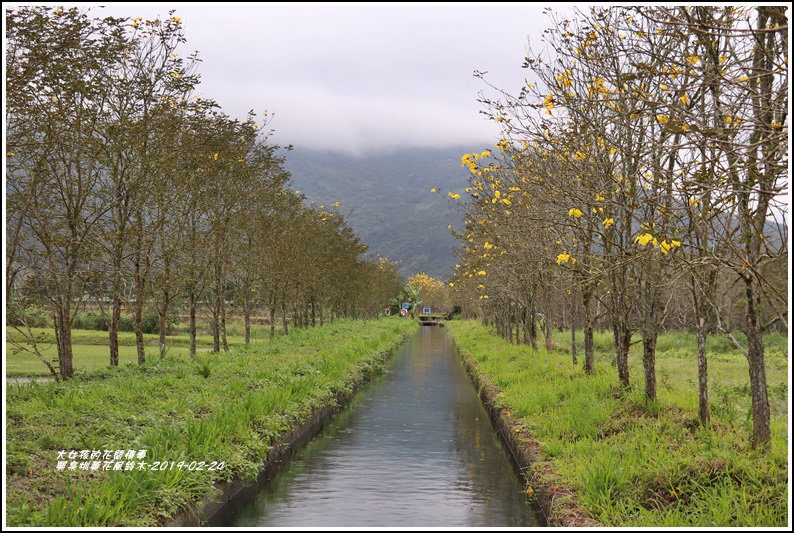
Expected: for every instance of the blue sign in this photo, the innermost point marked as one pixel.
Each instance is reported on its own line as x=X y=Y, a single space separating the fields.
x=425 y=310
x=406 y=305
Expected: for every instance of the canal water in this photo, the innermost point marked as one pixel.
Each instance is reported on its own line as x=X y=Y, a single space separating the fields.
x=414 y=448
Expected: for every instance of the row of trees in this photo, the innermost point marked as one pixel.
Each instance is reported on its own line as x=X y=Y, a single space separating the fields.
x=126 y=189
x=647 y=161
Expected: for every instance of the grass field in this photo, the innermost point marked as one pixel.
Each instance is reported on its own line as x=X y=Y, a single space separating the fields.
x=91 y=352
x=629 y=463
x=227 y=407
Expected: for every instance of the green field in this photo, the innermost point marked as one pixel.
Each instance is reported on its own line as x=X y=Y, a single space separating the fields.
x=227 y=407
x=628 y=463
x=91 y=352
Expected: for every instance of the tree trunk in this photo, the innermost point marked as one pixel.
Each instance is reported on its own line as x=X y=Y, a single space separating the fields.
x=762 y=433
x=548 y=332
x=223 y=325
x=115 y=318
x=589 y=355
x=63 y=334
x=192 y=320
x=622 y=336
x=284 y=323
x=216 y=334
x=532 y=327
x=161 y=325
x=140 y=283
x=247 y=313
x=703 y=375
x=649 y=363
x=703 y=288
x=573 y=331
x=163 y=313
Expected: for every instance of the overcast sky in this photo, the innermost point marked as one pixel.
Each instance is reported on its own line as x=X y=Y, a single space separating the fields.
x=357 y=77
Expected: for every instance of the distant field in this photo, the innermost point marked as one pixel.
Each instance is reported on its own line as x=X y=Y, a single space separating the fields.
x=91 y=350
x=677 y=374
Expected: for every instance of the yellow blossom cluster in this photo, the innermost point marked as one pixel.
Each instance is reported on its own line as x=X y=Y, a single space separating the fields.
x=664 y=246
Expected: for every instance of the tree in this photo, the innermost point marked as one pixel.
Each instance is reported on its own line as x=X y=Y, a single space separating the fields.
x=55 y=117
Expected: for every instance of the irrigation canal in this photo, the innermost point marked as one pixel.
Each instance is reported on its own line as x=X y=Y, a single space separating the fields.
x=414 y=448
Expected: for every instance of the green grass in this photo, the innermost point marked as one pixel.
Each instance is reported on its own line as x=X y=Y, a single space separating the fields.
x=634 y=464
x=91 y=352
x=229 y=407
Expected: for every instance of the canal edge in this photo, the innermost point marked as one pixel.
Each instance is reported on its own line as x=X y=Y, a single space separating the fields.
x=198 y=513
x=556 y=503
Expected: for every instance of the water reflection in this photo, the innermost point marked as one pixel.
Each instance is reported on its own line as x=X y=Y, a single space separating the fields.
x=413 y=449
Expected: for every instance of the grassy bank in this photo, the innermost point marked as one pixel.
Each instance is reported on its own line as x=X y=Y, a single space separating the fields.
x=629 y=464
x=230 y=407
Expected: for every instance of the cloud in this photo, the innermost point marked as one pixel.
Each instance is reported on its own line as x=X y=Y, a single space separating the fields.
x=356 y=77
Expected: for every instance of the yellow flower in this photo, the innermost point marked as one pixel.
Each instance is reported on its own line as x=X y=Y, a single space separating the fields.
x=488 y=246
x=684 y=99
x=10 y=154
x=609 y=222
x=481 y=273
x=177 y=19
x=644 y=239
x=693 y=60
x=664 y=246
x=573 y=212
x=662 y=119
x=451 y=284
x=432 y=190
x=485 y=154
x=563 y=258
x=693 y=201
x=215 y=157
x=453 y=196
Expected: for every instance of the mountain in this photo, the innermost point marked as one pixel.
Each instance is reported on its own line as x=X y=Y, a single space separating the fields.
x=386 y=200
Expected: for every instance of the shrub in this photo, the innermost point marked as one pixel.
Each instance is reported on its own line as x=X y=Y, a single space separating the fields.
x=90 y=320
x=34 y=317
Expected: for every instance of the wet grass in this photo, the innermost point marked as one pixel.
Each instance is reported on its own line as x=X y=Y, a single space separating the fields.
x=634 y=464
x=230 y=407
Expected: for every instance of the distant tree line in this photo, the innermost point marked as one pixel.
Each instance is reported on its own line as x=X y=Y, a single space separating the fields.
x=126 y=190
x=640 y=181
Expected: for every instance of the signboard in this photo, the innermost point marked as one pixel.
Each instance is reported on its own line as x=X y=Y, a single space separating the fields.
x=404 y=311
x=388 y=312
x=425 y=310
x=406 y=305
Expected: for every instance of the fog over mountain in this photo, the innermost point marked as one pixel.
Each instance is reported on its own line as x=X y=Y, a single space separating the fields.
x=387 y=200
